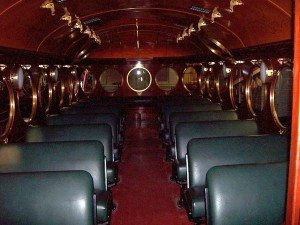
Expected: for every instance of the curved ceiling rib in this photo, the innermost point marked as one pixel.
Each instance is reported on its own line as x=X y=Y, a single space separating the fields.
x=111 y=30
x=144 y=9
x=280 y=8
x=10 y=7
x=196 y=45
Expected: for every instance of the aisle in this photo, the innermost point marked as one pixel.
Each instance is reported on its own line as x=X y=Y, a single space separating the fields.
x=145 y=195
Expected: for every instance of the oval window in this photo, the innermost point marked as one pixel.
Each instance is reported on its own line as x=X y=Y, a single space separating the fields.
x=7 y=109
x=88 y=82
x=166 y=79
x=190 y=79
x=111 y=80
x=28 y=98
x=281 y=93
x=255 y=91
x=44 y=92
x=139 y=79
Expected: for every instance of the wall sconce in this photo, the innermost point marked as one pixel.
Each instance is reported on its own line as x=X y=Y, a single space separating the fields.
x=88 y=31
x=26 y=66
x=97 y=40
x=48 y=4
x=78 y=24
x=201 y=23
x=95 y=37
x=234 y=3
x=43 y=66
x=184 y=33
x=191 y=29
x=67 y=16
x=2 y=67
x=179 y=38
x=215 y=14
x=269 y=72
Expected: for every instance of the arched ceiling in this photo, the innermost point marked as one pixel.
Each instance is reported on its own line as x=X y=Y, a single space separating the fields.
x=25 y=25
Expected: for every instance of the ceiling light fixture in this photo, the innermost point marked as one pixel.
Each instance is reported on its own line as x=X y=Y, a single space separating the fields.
x=88 y=31
x=215 y=14
x=67 y=16
x=48 y=4
x=179 y=38
x=184 y=33
x=2 y=67
x=191 y=29
x=201 y=23
x=234 y=3
x=78 y=24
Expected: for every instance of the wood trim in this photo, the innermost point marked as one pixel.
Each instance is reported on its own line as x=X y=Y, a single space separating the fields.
x=293 y=198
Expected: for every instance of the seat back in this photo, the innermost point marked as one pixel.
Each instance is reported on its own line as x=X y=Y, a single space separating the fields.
x=188 y=108
x=247 y=194
x=179 y=117
x=186 y=131
x=46 y=198
x=205 y=153
x=96 y=118
x=92 y=132
x=89 y=108
x=56 y=156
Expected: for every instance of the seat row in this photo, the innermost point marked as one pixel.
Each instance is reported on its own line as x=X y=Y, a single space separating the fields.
x=198 y=140
x=70 y=144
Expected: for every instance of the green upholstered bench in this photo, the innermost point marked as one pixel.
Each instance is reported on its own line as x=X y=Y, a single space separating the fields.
x=62 y=156
x=165 y=126
x=180 y=117
x=205 y=153
x=247 y=194
x=95 y=108
x=93 y=132
x=189 y=130
x=46 y=198
x=96 y=118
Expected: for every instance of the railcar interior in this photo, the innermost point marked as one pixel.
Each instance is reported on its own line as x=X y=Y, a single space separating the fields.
x=149 y=112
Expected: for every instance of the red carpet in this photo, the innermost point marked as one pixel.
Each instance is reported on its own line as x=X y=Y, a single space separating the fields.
x=145 y=195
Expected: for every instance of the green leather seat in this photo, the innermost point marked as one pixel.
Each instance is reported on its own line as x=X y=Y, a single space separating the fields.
x=247 y=194
x=205 y=153
x=96 y=118
x=46 y=198
x=93 y=132
x=62 y=156
x=180 y=117
x=89 y=107
x=165 y=127
x=203 y=129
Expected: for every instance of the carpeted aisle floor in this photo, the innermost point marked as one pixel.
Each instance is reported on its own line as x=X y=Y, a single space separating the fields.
x=145 y=195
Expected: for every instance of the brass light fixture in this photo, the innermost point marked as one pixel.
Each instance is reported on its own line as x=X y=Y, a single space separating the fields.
x=95 y=37
x=179 y=38
x=201 y=23
x=78 y=24
x=234 y=3
x=2 y=67
x=215 y=14
x=67 y=16
x=191 y=29
x=88 y=31
x=185 y=33
x=48 y=4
